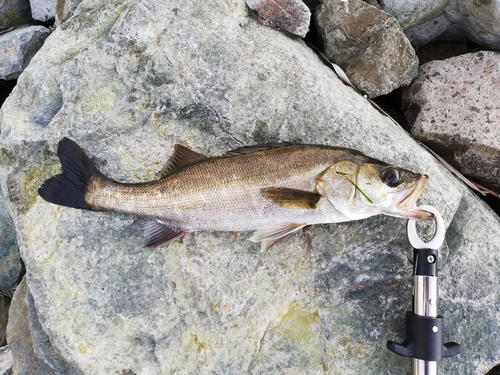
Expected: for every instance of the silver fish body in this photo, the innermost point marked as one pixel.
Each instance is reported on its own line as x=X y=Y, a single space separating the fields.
x=274 y=189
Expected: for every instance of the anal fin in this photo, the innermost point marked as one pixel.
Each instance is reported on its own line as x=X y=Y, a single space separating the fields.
x=291 y=198
x=157 y=233
x=270 y=234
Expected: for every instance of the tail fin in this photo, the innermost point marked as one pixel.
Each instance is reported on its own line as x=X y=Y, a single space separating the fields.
x=69 y=188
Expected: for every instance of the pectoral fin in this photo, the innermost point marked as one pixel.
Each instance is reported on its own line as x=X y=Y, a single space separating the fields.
x=291 y=198
x=157 y=233
x=270 y=234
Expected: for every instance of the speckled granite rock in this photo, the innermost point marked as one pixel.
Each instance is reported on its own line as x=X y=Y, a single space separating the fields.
x=129 y=80
x=452 y=107
x=368 y=44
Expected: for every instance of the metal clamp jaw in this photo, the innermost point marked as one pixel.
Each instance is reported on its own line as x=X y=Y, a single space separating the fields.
x=424 y=327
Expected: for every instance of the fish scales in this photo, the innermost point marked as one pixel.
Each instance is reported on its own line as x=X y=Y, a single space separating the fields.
x=274 y=189
x=191 y=197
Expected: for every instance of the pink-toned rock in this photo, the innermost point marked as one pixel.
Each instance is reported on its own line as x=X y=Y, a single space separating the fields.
x=454 y=107
x=292 y=16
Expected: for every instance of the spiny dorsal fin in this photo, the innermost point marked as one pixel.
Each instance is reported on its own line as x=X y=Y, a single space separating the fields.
x=256 y=148
x=157 y=233
x=291 y=198
x=181 y=157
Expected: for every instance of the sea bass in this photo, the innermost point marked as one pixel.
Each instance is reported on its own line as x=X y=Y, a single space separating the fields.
x=273 y=189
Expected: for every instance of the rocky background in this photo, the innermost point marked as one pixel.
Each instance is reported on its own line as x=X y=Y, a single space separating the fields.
x=129 y=79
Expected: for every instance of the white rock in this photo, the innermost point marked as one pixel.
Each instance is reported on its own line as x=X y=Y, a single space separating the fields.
x=43 y=10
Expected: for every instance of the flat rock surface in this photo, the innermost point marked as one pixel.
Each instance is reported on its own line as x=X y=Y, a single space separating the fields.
x=129 y=80
x=452 y=107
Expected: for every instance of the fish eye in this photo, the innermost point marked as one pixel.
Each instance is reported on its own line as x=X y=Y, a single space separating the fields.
x=390 y=177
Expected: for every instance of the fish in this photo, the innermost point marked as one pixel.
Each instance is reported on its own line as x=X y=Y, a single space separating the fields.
x=272 y=189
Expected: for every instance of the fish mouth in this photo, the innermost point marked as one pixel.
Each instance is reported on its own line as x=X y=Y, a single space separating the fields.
x=404 y=202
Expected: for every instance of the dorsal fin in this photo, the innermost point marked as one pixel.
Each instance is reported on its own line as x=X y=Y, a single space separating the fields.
x=256 y=148
x=181 y=157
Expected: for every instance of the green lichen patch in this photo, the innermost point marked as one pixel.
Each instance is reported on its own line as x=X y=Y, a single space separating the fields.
x=102 y=100
x=85 y=347
x=298 y=325
x=7 y=156
x=30 y=183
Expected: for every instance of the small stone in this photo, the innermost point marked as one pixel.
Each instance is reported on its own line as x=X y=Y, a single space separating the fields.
x=478 y=21
x=452 y=107
x=482 y=21
x=14 y=12
x=65 y=9
x=18 y=47
x=289 y=15
x=6 y=361
x=413 y=12
x=368 y=44
x=43 y=10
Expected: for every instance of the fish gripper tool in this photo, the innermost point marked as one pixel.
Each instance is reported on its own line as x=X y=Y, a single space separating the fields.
x=424 y=341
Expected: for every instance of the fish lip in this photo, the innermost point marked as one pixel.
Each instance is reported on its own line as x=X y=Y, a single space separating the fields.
x=404 y=202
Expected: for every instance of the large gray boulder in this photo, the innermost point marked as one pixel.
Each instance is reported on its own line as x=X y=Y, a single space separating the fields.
x=129 y=80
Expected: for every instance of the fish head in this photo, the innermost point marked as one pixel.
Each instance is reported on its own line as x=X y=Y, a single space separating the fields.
x=360 y=189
